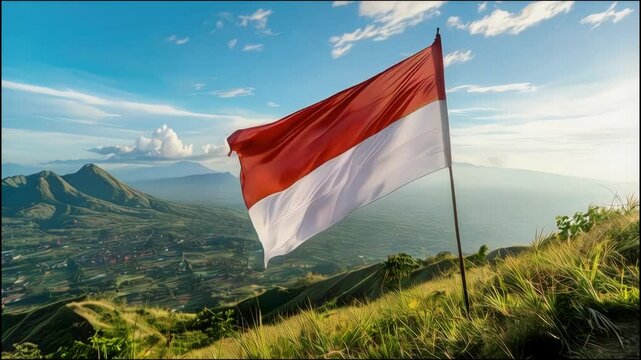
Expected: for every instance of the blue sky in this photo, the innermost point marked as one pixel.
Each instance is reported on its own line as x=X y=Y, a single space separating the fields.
x=543 y=86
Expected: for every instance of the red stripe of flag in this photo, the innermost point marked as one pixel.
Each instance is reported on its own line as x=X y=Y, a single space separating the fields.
x=274 y=156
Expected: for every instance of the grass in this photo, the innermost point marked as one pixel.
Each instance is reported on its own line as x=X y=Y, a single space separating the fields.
x=575 y=295
x=569 y=298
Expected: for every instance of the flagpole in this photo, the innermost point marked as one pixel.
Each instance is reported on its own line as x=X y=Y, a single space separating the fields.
x=458 y=244
x=456 y=228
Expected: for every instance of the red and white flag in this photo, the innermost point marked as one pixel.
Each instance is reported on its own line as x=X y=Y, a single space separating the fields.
x=304 y=173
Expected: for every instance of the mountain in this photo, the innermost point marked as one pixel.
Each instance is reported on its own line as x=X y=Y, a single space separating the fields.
x=178 y=169
x=219 y=188
x=89 y=195
x=96 y=182
x=44 y=191
x=91 y=188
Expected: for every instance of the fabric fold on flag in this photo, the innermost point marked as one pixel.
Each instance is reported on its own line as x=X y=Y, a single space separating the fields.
x=306 y=172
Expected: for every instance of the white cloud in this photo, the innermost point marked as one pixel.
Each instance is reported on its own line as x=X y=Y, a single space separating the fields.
x=232 y=43
x=174 y=39
x=482 y=6
x=154 y=109
x=245 y=91
x=213 y=149
x=272 y=104
x=253 y=47
x=258 y=20
x=66 y=94
x=162 y=144
x=599 y=18
x=220 y=24
x=458 y=56
x=455 y=22
x=340 y=51
x=341 y=3
x=501 y=21
x=199 y=86
x=77 y=109
x=587 y=130
x=518 y=87
x=182 y=41
x=389 y=18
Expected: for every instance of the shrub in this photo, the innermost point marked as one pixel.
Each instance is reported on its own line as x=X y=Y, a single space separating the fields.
x=580 y=222
x=398 y=267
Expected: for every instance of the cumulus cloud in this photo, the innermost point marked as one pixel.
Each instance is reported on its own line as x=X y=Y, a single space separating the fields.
x=388 y=18
x=482 y=6
x=458 y=56
x=518 y=87
x=341 y=3
x=162 y=144
x=501 y=21
x=174 y=39
x=610 y=14
x=272 y=104
x=253 y=47
x=232 y=43
x=199 y=86
x=244 y=91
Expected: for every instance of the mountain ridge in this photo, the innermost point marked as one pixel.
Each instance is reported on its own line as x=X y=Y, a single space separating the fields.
x=46 y=196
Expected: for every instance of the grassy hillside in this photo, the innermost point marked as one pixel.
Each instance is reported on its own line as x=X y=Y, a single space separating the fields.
x=576 y=297
x=574 y=293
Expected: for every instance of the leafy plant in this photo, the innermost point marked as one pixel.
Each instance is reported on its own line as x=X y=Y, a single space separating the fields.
x=398 y=267
x=580 y=222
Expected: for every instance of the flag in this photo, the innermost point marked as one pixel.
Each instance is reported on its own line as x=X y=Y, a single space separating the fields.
x=304 y=173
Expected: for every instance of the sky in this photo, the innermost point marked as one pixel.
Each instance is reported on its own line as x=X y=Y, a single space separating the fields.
x=547 y=86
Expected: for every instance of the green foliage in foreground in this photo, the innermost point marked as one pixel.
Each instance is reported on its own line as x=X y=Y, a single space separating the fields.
x=574 y=294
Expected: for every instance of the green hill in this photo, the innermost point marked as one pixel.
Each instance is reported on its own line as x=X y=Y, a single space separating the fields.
x=21 y=192
x=98 y=183
x=364 y=284
x=90 y=191
x=571 y=294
